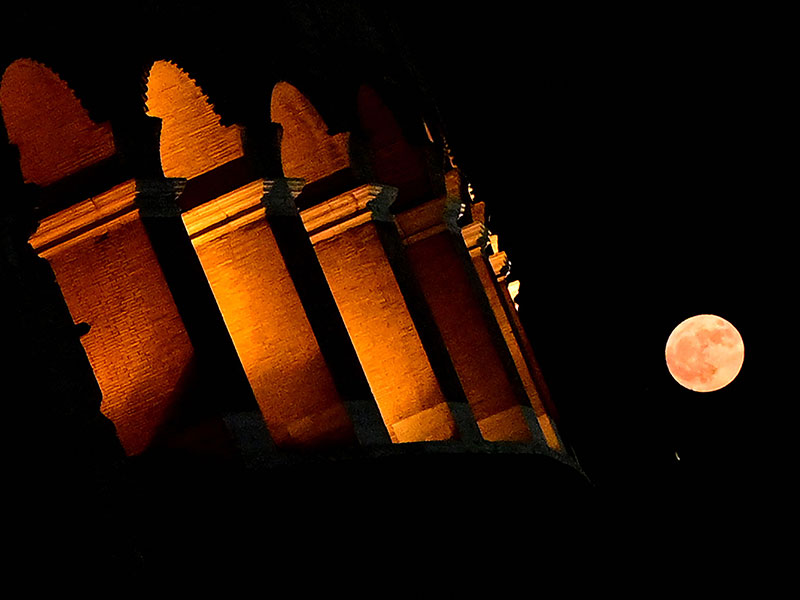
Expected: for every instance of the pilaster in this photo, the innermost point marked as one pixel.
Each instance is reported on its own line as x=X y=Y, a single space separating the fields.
x=226 y=394
x=274 y=339
x=109 y=274
x=476 y=239
x=345 y=231
x=549 y=424
x=445 y=274
x=57 y=439
x=320 y=307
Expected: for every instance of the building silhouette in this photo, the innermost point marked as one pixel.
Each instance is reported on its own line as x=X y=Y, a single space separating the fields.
x=246 y=283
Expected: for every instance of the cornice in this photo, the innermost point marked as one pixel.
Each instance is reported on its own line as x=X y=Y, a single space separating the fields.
x=81 y=220
x=369 y=202
x=225 y=213
x=280 y=195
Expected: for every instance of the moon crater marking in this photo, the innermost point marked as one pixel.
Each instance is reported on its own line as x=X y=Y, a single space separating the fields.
x=704 y=353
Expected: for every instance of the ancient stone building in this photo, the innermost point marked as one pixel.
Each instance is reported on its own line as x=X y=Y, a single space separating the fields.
x=242 y=247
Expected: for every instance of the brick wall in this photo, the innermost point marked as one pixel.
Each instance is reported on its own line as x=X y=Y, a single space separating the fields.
x=45 y=120
x=192 y=139
x=383 y=334
x=137 y=345
x=307 y=151
x=394 y=160
x=443 y=280
x=498 y=305
x=269 y=327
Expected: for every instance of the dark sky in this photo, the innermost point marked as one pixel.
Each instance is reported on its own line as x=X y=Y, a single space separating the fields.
x=634 y=166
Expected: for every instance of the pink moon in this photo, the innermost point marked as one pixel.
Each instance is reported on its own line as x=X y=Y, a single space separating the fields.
x=704 y=353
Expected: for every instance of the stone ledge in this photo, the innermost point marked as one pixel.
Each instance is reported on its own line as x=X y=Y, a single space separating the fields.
x=360 y=205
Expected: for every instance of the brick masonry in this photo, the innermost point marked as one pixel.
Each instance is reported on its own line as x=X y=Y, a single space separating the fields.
x=193 y=141
x=136 y=344
x=267 y=323
x=45 y=120
x=443 y=280
x=383 y=334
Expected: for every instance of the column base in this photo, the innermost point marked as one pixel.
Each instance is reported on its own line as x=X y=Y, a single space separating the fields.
x=251 y=437
x=465 y=422
x=368 y=424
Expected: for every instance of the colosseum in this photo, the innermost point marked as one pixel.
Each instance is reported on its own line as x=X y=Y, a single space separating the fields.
x=254 y=302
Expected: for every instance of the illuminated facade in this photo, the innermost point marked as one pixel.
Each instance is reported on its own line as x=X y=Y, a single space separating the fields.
x=252 y=284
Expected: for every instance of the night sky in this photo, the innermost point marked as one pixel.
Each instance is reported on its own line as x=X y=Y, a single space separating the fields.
x=634 y=167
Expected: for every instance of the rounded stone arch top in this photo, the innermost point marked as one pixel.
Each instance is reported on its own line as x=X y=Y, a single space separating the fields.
x=308 y=151
x=193 y=140
x=49 y=125
x=394 y=159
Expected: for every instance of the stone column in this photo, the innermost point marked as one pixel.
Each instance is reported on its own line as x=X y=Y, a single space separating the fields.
x=476 y=239
x=264 y=314
x=112 y=281
x=346 y=233
x=446 y=275
x=549 y=419
x=321 y=310
x=65 y=469
x=226 y=393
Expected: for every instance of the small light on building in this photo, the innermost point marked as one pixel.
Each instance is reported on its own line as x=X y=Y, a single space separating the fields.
x=428 y=132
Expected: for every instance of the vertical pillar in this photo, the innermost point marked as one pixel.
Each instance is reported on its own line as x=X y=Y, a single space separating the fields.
x=428 y=330
x=346 y=237
x=262 y=150
x=66 y=481
x=111 y=280
x=551 y=413
x=264 y=315
x=442 y=268
x=475 y=238
x=223 y=398
x=320 y=307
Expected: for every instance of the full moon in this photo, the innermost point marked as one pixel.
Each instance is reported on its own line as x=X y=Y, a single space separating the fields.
x=705 y=353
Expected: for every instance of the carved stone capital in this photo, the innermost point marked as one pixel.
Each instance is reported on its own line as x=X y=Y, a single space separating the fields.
x=500 y=264
x=380 y=199
x=369 y=202
x=420 y=222
x=453 y=209
x=476 y=236
x=159 y=197
x=280 y=195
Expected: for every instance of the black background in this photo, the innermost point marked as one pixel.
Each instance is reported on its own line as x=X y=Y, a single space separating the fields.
x=634 y=164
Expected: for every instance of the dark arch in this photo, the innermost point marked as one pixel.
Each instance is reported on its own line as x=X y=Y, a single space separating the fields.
x=393 y=158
